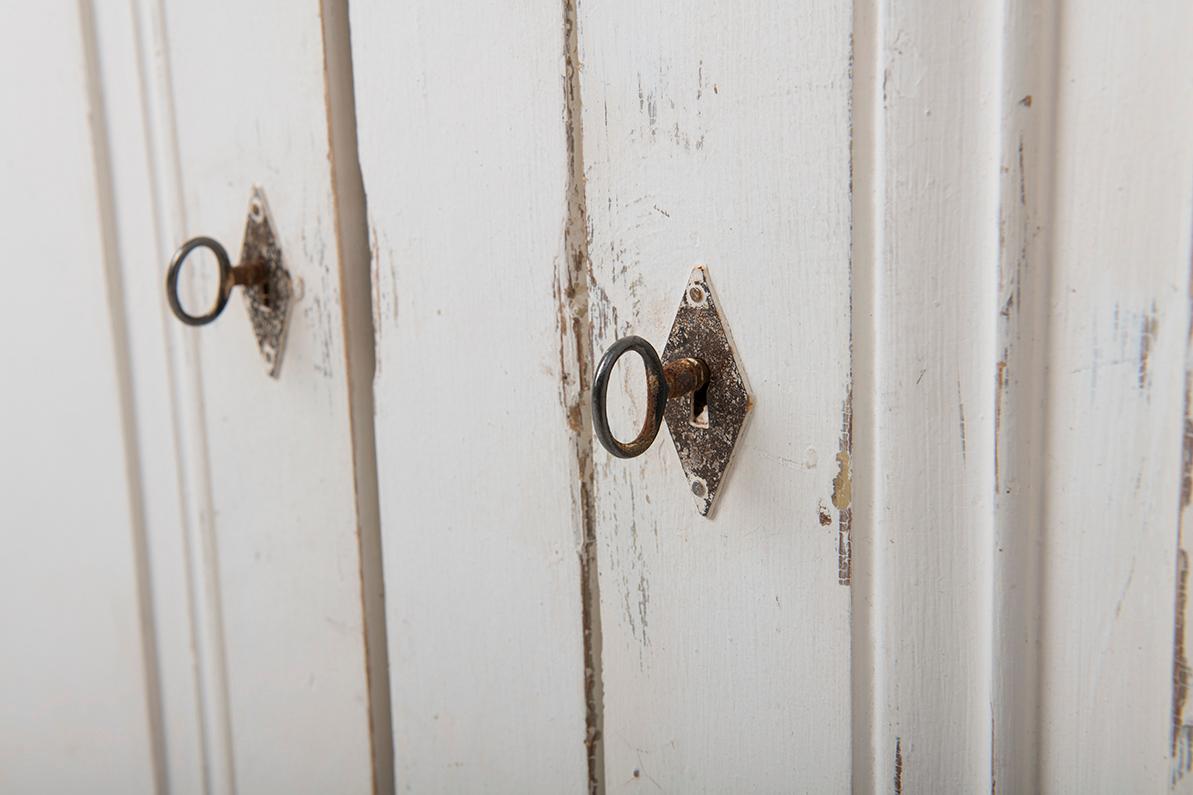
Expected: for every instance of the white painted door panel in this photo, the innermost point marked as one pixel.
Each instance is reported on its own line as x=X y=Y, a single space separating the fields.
x=278 y=505
x=463 y=145
x=77 y=710
x=718 y=134
x=224 y=554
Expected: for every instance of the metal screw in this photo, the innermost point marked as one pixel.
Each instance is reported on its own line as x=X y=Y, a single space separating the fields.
x=696 y=295
x=698 y=488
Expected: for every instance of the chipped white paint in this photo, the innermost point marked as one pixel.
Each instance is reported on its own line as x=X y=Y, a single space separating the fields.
x=718 y=134
x=194 y=547
x=1120 y=256
x=1025 y=192
x=463 y=145
x=1019 y=392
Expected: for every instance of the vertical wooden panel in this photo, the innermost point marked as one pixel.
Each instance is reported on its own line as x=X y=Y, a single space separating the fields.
x=718 y=134
x=1120 y=319
x=79 y=704
x=137 y=248
x=464 y=151
x=1027 y=113
x=928 y=262
x=275 y=476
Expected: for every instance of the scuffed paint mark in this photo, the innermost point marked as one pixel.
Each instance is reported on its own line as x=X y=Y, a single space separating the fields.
x=1180 y=664
x=843 y=493
x=1000 y=390
x=1149 y=325
x=1182 y=733
x=898 y=765
x=961 y=415
x=993 y=756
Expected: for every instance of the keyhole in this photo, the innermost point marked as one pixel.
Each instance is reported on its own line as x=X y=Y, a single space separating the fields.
x=700 y=407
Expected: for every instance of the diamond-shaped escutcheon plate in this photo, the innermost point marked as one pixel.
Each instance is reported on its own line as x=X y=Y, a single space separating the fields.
x=268 y=304
x=706 y=424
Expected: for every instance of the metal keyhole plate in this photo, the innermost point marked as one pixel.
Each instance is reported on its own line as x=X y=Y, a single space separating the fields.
x=268 y=304
x=704 y=439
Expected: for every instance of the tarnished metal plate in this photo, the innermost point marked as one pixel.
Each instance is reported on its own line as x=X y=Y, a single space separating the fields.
x=268 y=303
x=705 y=439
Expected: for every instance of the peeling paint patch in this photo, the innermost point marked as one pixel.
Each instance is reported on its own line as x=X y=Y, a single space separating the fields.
x=1180 y=665
x=1187 y=461
x=843 y=493
x=842 y=483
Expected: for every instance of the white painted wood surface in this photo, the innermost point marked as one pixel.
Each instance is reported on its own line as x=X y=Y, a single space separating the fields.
x=952 y=245
x=927 y=125
x=718 y=134
x=1018 y=445
x=461 y=121
x=1120 y=254
x=277 y=478
x=79 y=713
x=120 y=122
x=1027 y=114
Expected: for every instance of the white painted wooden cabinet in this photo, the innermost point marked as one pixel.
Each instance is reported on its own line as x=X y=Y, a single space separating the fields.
x=952 y=244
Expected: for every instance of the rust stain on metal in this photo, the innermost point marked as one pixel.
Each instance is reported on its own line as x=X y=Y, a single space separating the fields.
x=898 y=765
x=826 y=518
x=267 y=298
x=706 y=435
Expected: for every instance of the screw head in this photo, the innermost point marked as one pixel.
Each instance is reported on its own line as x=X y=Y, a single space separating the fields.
x=695 y=294
x=699 y=489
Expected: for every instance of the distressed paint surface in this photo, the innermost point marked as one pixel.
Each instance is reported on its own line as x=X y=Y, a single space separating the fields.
x=718 y=135
x=478 y=400
x=926 y=182
x=280 y=492
x=1116 y=353
x=1025 y=194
